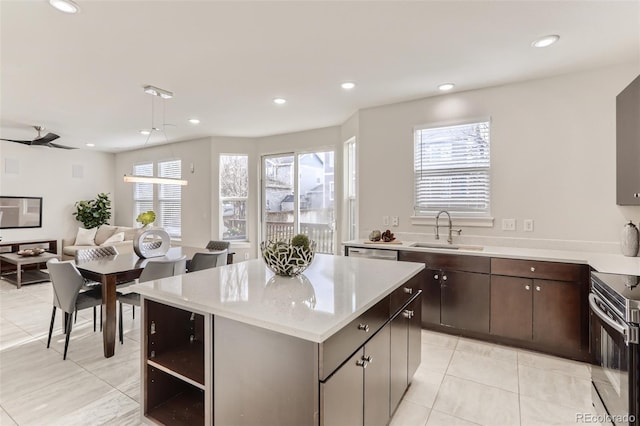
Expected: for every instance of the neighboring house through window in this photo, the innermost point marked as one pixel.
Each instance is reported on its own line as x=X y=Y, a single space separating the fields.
x=452 y=169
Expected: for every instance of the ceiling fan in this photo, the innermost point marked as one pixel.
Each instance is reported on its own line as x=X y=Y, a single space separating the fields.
x=45 y=140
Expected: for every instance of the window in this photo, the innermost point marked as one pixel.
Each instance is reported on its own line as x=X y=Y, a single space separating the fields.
x=350 y=189
x=142 y=192
x=164 y=200
x=170 y=198
x=234 y=190
x=452 y=170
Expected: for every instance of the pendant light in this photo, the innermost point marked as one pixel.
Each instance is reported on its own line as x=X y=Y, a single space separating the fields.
x=163 y=95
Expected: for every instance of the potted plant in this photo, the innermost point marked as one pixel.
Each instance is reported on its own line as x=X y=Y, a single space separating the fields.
x=93 y=213
x=146 y=218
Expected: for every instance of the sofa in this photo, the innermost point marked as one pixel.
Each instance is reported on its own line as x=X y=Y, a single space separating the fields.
x=103 y=233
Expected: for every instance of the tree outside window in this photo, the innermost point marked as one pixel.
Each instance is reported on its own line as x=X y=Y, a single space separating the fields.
x=234 y=190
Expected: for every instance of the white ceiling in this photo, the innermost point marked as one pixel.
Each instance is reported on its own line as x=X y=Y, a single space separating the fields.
x=82 y=75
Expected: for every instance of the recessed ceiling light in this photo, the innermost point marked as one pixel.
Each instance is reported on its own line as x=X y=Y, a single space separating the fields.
x=279 y=101
x=90 y=145
x=145 y=132
x=194 y=121
x=546 y=41
x=348 y=85
x=66 y=6
x=446 y=86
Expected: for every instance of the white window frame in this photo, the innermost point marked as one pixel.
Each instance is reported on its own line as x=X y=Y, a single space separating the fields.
x=350 y=185
x=160 y=200
x=155 y=198
x=463 y=218
x=223 y=199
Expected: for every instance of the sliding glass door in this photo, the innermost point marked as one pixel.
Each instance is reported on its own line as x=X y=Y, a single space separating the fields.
x=298 y=194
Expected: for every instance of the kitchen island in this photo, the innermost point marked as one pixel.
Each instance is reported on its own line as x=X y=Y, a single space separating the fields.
x=237 y=345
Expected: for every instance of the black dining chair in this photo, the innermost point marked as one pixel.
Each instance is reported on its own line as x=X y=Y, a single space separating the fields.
x=208 y=260
x=155 y=269
x=68 y=296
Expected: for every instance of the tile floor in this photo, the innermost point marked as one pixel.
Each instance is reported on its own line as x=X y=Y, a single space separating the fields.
x=460 y=381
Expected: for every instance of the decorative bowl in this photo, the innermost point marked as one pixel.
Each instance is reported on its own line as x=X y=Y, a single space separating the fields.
x=285 y=259
x=31 y=252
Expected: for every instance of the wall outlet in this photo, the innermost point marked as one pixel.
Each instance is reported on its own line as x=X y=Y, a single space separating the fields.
x=385 y=220
x=527 y=225
x=395 y=221
x=508 y=224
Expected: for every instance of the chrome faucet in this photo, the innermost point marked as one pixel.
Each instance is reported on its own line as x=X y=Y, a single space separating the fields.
x=450 y=238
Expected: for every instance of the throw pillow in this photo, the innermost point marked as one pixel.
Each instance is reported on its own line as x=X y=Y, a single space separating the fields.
x=115 y=238
x=104 y=232
x=85 y=237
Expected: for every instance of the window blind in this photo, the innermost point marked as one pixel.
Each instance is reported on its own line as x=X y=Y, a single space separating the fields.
x=170 y=198
x=142 y=192
x=452 y=169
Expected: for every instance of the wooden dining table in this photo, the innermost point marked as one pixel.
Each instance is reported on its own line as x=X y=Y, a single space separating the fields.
x=120 y=269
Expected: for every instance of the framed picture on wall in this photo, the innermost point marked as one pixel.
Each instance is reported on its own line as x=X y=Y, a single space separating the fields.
x=20 y=212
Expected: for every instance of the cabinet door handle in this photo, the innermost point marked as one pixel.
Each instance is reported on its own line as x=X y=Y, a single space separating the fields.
x=408 y=290
x=533 y=269
x=526 y=287
x=407 y=313
x=444 y=278
x=363 y=327
x=537 y=288
x=361 y=363
x=435 y=277
x=152 y=328
x=636 y=195
x=367 y=358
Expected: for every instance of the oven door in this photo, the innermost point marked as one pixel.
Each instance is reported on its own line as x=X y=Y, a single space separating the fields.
x=613 y=357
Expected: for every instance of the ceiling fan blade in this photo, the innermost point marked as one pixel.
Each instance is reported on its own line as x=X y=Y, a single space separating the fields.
x=13 y=140
x=55 y=145
x=46 y=139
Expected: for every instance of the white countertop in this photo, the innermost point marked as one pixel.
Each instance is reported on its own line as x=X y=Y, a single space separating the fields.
x=602 y=262
x=332 y=292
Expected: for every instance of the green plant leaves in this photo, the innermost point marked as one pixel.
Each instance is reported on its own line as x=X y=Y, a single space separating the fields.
x=93 y=213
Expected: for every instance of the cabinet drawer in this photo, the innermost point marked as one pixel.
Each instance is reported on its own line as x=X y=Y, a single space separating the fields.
x=339 y=347
x=405 y=292
x=536 y=269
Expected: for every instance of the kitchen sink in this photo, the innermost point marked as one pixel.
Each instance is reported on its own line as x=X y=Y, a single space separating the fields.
x=446 y=246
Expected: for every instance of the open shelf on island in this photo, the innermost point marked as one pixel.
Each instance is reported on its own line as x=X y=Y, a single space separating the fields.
x=172 y=401
x=185 y=362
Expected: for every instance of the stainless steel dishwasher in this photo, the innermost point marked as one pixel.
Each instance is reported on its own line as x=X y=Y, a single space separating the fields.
x=372 y=253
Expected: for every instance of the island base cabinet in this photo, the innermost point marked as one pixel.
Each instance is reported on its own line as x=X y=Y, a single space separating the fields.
x=261 y=377
x=406 y=350
x=358 y=392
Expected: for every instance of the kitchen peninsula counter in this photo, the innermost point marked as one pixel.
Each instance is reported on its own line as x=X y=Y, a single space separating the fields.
x=271 y=346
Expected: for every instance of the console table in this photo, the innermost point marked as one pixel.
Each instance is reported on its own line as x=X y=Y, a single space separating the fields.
x=14 y=246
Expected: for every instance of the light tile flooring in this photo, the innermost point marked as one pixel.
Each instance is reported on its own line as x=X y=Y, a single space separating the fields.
x=460 y=381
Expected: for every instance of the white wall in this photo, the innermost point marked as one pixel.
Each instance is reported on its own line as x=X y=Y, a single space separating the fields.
x=47 y=173
x=552 y=156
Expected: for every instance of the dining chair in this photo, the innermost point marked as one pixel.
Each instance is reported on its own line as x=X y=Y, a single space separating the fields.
x=68 y=296
x=87 y=255
x=155 y=269
x=218 y=245
x=208 y=260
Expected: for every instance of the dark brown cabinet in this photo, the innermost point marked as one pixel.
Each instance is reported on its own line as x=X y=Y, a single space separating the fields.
x=528 y=304
x=358 y=392
x=406 y=350
x=628 y=145
x=455 y=290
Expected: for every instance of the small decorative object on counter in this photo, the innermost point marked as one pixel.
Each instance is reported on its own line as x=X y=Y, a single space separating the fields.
x=152 y=242
x=387 y=236
x=629 y=241
x=288 y=258
x=375 y=235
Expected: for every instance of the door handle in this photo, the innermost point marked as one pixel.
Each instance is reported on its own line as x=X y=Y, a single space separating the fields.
x=363 y=327
x=408 y=290
x=527 y=287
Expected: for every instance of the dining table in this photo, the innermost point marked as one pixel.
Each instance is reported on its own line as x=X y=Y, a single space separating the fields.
x=120 y=269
